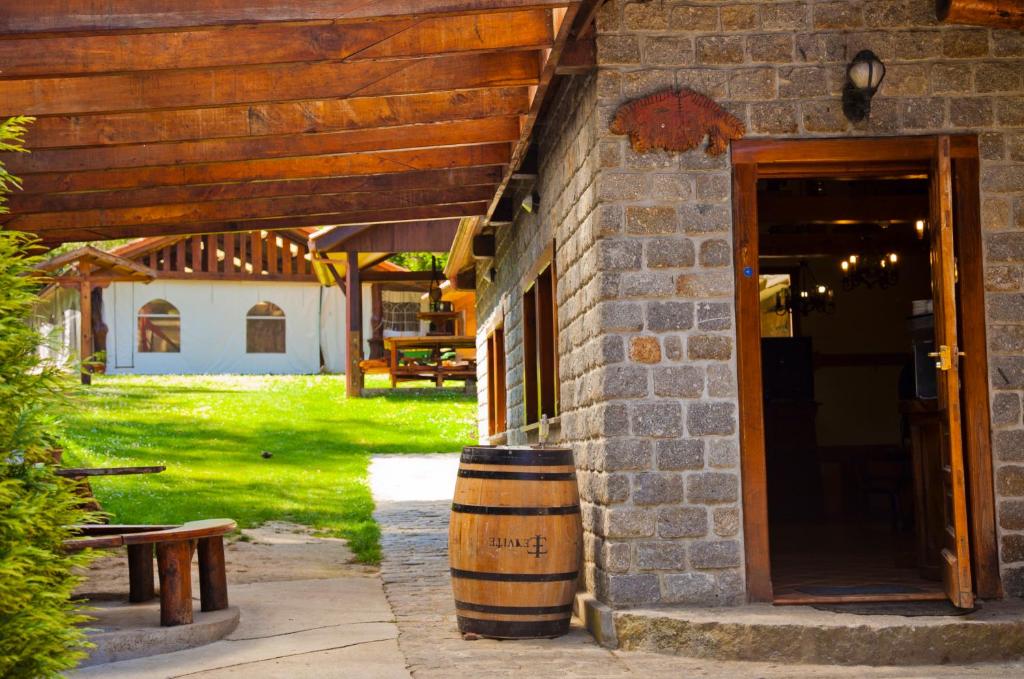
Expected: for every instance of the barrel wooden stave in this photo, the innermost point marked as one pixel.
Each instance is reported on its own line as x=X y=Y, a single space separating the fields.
x=514 y=542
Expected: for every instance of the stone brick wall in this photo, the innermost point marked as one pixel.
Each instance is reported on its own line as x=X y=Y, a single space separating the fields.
x=646 y=312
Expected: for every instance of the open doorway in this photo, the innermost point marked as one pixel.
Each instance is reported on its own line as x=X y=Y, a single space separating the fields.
x=863 y=383
x=847 y=323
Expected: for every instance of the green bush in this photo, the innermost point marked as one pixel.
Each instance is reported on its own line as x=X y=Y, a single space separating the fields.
x=38 y=632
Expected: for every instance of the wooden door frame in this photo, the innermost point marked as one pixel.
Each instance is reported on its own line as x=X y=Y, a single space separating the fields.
x=860 y=157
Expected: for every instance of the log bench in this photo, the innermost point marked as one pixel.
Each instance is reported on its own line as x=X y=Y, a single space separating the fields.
x=174 y=546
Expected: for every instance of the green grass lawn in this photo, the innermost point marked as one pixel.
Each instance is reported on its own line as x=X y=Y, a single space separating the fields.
x=210 y=433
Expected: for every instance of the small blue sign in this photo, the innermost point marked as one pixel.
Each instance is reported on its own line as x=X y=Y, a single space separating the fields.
x=748 y=271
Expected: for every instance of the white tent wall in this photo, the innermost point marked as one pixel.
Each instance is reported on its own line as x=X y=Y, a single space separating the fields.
x=332 y=328
x=56 y=317
x=213 y=327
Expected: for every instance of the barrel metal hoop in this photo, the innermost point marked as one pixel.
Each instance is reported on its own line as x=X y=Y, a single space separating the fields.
x=507 y=629
x=515 y=511
x=527 y=457
x=513 y=610
x=513 y=577
x=517 y=476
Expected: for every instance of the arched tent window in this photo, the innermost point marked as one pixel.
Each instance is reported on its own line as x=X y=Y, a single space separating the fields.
x=264 y=329
x=159 y=328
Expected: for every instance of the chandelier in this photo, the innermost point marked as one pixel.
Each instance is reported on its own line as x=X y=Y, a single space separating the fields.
x=811 y=296
x=881 y=269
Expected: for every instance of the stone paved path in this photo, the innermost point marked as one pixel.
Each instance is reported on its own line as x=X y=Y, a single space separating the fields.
x=415 y=574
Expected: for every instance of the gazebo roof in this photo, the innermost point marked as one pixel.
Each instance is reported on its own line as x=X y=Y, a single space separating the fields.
x=100 y=265
x=161 y=117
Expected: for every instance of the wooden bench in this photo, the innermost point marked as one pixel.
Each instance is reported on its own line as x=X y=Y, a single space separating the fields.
x=174 y=546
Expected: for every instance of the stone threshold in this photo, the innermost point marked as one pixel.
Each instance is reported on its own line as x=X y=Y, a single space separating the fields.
x=805 y=635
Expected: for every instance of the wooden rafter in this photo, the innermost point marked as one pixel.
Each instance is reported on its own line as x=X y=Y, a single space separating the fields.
x=178 y=117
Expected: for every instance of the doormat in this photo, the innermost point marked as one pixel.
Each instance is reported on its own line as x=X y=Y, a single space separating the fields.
x=848 y=590
x=906 y=609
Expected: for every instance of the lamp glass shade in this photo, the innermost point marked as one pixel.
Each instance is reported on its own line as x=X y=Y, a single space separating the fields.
x=860 y=74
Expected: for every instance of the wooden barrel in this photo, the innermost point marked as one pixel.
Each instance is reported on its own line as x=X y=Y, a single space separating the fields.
x=514 y=542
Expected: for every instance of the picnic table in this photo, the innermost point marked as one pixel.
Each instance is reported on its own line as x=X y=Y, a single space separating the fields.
x=404 y=364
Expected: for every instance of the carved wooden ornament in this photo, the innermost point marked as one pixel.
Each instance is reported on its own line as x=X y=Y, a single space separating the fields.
x=674 y=120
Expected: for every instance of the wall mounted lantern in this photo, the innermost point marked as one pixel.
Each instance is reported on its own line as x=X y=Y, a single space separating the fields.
x=863 y=76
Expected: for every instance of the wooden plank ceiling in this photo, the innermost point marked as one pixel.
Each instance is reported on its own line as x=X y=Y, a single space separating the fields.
x=171 y=117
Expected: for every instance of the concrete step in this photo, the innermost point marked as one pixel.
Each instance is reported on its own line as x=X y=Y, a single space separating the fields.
x=801 y=634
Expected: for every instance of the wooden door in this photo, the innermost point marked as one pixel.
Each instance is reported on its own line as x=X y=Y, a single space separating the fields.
x=956 y=560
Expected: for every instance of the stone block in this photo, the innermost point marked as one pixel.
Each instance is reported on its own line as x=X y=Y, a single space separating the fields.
x=623 y=454
x=970 y=112
x=709 y=347
x=714 y=315
x=658 y=419
x=668 y=50
x=998 y=76
x=1006 y=307
x=715 y=252
x=714 y=187
x=1004 y=278
x=622 y=186
x=622 y=521
x=837 y=15
x=906 y=80
x=924 y=113
x=669 y=316
x=704 y=284
x=670 y=252
x=1011 y=514
x=726 y=521
x=624 y=382
x=1010 y=111
x=692 y=18
x=803 y=82
x=1010 y=481
x=1012 y=548
x=619 y=254
x=1008 y=445
x=1003 y=179
x=629 y=590
x=752 y=84
x=657 y=488
x=645 y=17
x=1006 y=411
x=965 y=43
x=618 y=49
x=682 y=522
x=1005 y=247
x=705 y=218
x=715 y=554
x=721 y=380
x=723 y=454
x=679 y=381
x=1006 y=339
x=773 y=118
x=673 y=188
x=689 y=588
x=711 y=488
x=647 y=284
x=679 y=454
x=644 y=350
x=792 y=16
x=620 y=316
x=719 y=50
x=1008 y=43
x=660 y=556
x=823 y=116
x=615 y=557
x=772 y=48
x=673 y=348
x=1007 y=372
x=740 y=17
x=952 y=78
x=711 y=419
x=651 y=220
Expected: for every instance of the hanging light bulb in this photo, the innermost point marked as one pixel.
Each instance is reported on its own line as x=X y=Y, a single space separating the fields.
x=919 y=227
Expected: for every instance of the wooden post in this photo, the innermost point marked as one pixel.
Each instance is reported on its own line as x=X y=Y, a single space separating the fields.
x=85 y=321
x=213 y=581
x=174 y=562
x=140 y=573
x=354 y=327
x=376 y=321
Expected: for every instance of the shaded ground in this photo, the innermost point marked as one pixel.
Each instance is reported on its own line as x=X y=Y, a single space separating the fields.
x=211 y=433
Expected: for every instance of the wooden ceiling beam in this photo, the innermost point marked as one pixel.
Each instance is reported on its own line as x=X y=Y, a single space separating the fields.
x=273 y=44
x=257 y=208
x=253 y=84
x=453 y=133
x=274 y=169
x=58 y=16
x=257 y=120
x=57 y=236
x=795 y=209
x=428 y=236
x=22 y=204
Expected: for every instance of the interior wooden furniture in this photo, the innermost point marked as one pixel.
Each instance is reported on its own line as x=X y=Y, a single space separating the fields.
x=957 y=539
x=174 y=546
x=432 y=366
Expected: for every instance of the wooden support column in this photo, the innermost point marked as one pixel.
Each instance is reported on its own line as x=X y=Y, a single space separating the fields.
x=354 y=327
x=377 y=321
x=85 y=320
x=213 y=583
x=140 y=573
x=174 y=561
